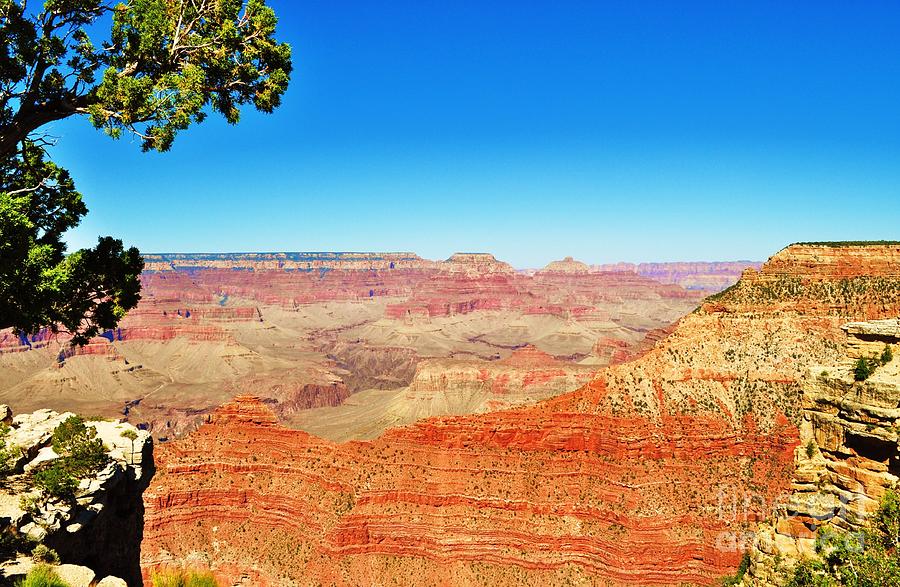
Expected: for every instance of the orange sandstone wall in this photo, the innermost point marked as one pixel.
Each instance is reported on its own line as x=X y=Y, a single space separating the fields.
x=655 y=473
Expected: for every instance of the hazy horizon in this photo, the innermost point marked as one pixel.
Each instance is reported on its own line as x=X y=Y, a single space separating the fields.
x=448 y=255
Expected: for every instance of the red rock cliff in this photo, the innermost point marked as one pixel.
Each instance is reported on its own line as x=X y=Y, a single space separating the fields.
x=654 y=473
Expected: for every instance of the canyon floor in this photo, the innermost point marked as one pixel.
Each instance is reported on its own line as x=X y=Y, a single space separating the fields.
x=348 y=345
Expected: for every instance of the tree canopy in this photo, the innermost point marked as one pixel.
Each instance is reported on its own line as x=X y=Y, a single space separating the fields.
x=163 y=65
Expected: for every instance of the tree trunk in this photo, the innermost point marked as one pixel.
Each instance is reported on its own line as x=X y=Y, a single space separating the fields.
x=26 y=121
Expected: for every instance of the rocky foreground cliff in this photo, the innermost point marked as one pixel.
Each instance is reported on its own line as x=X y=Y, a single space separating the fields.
x=849 y=455
x=657 y=472
x=71 y=494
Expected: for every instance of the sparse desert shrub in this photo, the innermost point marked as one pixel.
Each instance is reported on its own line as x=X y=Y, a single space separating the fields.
x=810 y=449
x=810 y=573
x=43 y=554
x=863 y=369
x=81 y=455
x=79 y=445
x=12 y=543
x=864 y=366
x=887 y=355
x=182 y=578
x=131 y=435
x=56 y=480
x=41 y=576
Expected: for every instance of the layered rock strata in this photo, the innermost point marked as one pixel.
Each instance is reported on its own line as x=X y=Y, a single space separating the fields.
x=848 y=457
x=307 y=331
x=656 y=472
x=709 y=277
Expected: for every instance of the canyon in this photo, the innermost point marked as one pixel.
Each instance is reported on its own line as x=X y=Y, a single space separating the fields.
x=660 y=470
x=350 y=338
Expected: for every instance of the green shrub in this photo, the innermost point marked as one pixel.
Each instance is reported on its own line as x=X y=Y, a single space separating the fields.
x=44 y=554
x=79 y=445
x=181 y=578
x=863 y=369
x=886 y=520
x=56 y=480
x=131 y=435
x=887 y=355
x=81 y=454
x=810 y=449
x=41 y=576
x=7 y=453
x=810 y=573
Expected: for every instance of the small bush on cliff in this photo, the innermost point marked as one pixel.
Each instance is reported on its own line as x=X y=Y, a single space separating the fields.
x=865 y=366
x=81 y=455
x=44 y=554
x=887 y=355
x=181 y=578
x=810 y=449
x=863 y=369
x=7 y=452
x=131 y=435
x=810 y=573
x=78 y=444
x=56 y=481
x=41 y=576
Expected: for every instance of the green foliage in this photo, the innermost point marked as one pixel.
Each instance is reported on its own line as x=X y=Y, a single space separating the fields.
x=43 y=554
x=733 y=580
x=863 y=369
x=132 y=436
x=83 y=293
x=182 y=578
x=7 y=453
x=81 y=454
x=12 y=543
x=41 y=576
x=867 y=559
x=810 y=573
x=865 y=366
x=162 y=66
x=810 y=449
x=79 y=446
x=56 y=480
x=886 y=521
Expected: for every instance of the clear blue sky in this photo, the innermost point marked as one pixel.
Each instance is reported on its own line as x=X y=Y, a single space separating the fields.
x=604 y=130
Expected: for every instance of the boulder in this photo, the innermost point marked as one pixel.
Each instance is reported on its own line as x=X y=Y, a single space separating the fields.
x=75 y=575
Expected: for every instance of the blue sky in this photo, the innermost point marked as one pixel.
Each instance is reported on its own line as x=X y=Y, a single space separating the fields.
x=609 y=131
